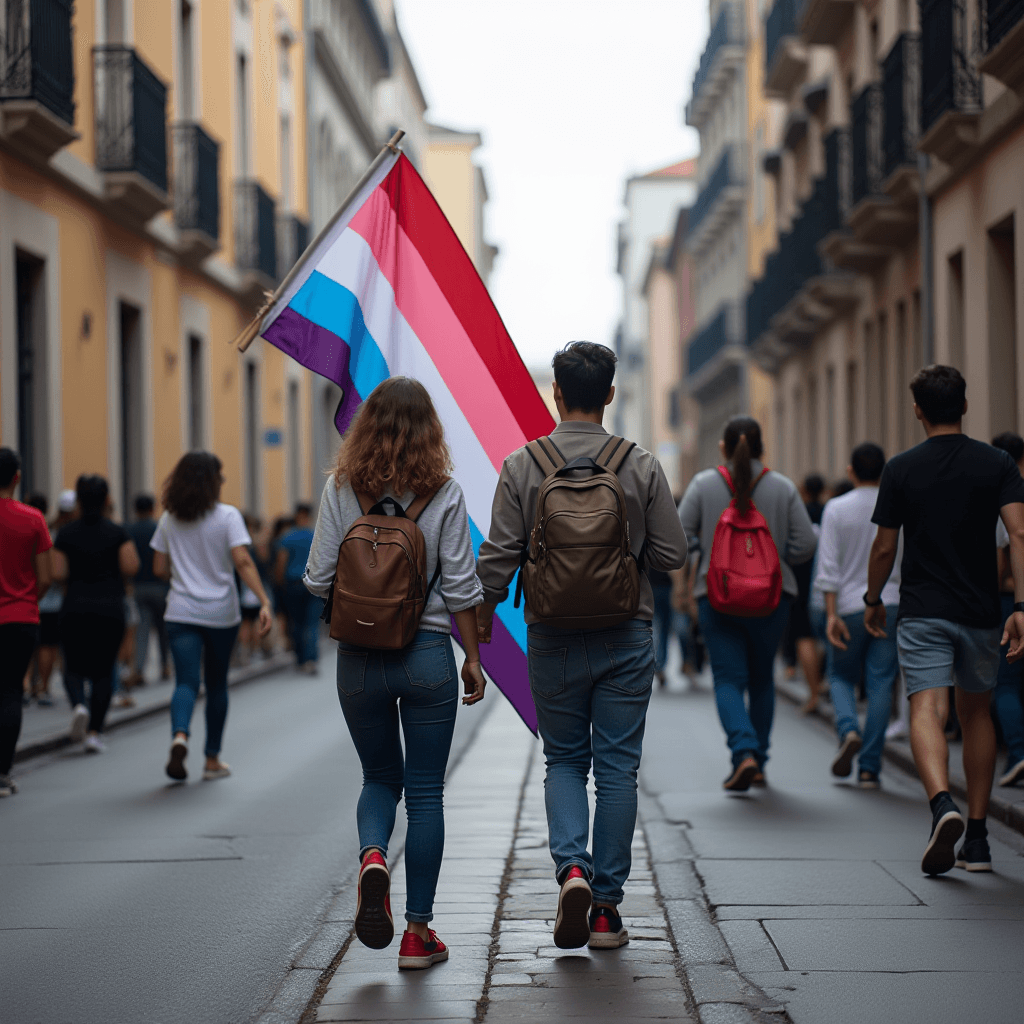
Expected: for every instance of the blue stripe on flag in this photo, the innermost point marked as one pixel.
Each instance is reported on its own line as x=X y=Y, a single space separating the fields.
x=511 y=616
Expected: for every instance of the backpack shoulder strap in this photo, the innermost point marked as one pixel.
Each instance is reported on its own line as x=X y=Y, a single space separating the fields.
x=727 y=477
x=760 y=476
x=614 y=452
x=419 y=504
x=545 y=453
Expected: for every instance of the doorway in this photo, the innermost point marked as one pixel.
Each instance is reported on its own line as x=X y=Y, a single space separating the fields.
x=132 y=434
x=33 y=393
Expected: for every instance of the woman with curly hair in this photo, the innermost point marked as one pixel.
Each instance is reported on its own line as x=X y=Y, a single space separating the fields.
x=395 y=448
x=199 y=544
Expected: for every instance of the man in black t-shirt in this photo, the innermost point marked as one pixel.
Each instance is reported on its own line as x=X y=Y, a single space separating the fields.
x=947 y=495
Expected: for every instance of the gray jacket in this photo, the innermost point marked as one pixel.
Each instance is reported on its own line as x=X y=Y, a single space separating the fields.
x=445 y=527
x=776 y=498
x=649 y=511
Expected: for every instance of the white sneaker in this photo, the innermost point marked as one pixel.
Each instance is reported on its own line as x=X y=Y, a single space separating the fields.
x=79 y=722
x=7 y=786
x=898 y=730
x=94 y=745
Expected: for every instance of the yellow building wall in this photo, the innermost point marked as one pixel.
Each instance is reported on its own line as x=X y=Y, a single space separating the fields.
x=448 y=170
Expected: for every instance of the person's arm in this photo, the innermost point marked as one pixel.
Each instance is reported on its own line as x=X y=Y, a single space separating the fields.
x=246 y=568
x=880 y=564
x=472 y=674
x=1004 y=569
x=329 y=532
x=666 y=544
x=128 y=559
x=1012 y=516
x=280 y=564
x=44 y=571
x=59 y=566
x=500 y=554
x=161 y=565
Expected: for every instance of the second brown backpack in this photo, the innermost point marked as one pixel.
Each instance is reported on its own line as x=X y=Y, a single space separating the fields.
x=578 y=571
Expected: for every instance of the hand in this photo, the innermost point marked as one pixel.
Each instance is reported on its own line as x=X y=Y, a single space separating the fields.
x=1013 y=634
x=266 y=620
x=837 y=632
x=473 y=681
x=874 y=621
x=484 y=623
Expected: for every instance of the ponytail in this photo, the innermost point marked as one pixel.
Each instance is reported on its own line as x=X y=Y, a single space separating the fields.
x=742 y=442
x=742 y=474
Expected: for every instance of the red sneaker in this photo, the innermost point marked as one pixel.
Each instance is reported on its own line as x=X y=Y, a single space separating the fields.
x=375 y=927
x=416 y=954
x=572 y=928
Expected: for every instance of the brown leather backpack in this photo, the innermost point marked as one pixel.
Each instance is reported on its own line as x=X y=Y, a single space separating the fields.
x=380 y=586
x=578 y=571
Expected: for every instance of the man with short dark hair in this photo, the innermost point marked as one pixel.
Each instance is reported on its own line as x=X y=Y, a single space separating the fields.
x=591 y=686
x=947 y=495
x=149 y=591
x=303 y=608
x=853 y=653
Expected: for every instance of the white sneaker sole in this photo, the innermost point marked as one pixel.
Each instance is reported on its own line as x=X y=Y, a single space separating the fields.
x=940 y=855
x=606 y=940
x=418 y=963
x=1013 y=776
x=983 y=865
x=572 y=926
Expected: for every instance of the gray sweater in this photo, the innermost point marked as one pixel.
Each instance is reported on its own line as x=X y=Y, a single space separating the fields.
x=776 y=498
x=445 y=527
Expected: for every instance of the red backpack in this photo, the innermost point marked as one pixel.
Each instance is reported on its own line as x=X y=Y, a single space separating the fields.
x=744 y=574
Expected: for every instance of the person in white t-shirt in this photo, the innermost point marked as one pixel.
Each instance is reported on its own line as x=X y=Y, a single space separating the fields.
x=199 y=544
x=842 y=577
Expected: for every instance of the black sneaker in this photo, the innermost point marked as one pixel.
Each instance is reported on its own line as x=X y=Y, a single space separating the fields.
x=868 y=780
x=739 y=781
x=606 y=931
x=975 y=855
x=947 y=828
x=842 y=763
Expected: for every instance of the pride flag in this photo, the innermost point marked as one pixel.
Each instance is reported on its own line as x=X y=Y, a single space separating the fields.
x=390 y=291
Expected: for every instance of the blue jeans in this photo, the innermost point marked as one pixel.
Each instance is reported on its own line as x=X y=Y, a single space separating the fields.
x=663 y=624
x=742 y=653
x=876 y=658
x=591 y=689
x=192 y=646
x=1006 y=701
x=419 y=687
x=303 y=611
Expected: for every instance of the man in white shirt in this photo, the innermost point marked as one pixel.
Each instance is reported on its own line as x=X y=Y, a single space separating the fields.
x=842 y=577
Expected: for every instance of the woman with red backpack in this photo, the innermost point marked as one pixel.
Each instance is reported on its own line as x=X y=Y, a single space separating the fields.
x=752 y=527
x=393 y=554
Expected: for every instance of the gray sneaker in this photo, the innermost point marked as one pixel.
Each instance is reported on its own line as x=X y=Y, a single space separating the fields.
x=7 y=786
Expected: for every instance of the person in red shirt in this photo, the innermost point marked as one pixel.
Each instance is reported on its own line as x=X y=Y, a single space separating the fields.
x=24 y=575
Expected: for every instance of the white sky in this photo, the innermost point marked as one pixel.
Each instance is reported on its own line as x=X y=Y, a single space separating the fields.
x=572 y=97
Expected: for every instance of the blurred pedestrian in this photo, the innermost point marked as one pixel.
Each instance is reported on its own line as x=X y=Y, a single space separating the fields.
x=25 y=574
x=199 y=543
x=94 y=556
x=150 y=594
x=249 y=600
x=847 y=533
x=394 y=454
x=664 y=621
x=282 y=524
x=591 y=655
x=1006 y=701
x=303 y=608
x=742 y=648
x=947 y=495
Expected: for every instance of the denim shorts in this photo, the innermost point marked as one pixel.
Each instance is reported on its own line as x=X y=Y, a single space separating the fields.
x=937 y=652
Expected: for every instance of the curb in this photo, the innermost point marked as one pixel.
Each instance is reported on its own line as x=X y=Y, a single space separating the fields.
x=899 y=754
x=236 y=677
x=718 y=992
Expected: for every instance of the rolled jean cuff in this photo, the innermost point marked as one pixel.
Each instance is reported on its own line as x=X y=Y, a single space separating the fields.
x=419 y=918
x=382 y=849
x=562 y=872
x=606 y=901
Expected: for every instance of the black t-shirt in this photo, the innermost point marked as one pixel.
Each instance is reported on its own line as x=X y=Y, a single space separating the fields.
x=94 y=575
x=946 y=494
x=141 y=531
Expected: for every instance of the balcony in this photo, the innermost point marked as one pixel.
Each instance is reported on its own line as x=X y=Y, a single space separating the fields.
x=785 y=51
x=714 y=354
x=720 y=200
x=824 y=22
x=292 y=239
x=950 y=83
x=255 y=239
x=707 y=343
x=719 y=61
x=131 y=133
x=196 y=192
x=901 y=118
x=37 y=77
x=1002 y=27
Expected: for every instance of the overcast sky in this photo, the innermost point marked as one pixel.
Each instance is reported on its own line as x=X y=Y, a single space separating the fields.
x=572 y=97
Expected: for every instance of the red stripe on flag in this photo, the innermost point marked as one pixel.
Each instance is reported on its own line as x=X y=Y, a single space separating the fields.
x=428 y=229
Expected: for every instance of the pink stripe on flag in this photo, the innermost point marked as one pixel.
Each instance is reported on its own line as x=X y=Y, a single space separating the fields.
x=428 y=313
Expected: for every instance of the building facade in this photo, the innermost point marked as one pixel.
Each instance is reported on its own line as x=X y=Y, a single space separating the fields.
x=152 y=185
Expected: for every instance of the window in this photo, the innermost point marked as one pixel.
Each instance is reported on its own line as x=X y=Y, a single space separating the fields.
x=131 y=396
x=242 y=114
x=186 y=68
x=252 y=438
x=759 y=176
x=196 y=376
x=955 y=308
x=286 y=163
x=830 y=419
x=1002 y=326
x=294 y=452
x=33 y=393
x=882 y=376
x=902 y=359
x=852 y=396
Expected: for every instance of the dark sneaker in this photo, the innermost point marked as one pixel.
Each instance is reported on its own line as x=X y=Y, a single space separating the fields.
x=572 y=929
x=7 y=786
x=1013 y=775
x=759 y=781
x=974 y=855
x=606 y=931
x=415 y=954
x=868 y=780
x=375 y=927
x=842 y=763
x=742 y=776
x=176 y=761
x=947 y=828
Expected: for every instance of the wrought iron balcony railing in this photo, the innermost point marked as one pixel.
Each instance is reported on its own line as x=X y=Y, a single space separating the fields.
x=781 y=22
x=949 y=76
x=901 y=102
x=719 y=37
x=255 y=230
x=292 y=239
x=997 y=18
x=866 y=142
x=196 y=192
x=131 y=109
x=728 y=171
x=708 y=342
x=36 y=60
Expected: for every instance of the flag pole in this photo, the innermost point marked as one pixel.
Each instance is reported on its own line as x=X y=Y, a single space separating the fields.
x=248 y=335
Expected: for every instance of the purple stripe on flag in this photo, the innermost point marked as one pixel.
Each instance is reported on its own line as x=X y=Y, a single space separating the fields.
x=321 y=351
x=505 y=662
